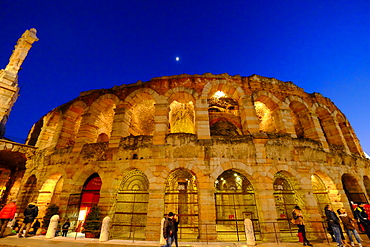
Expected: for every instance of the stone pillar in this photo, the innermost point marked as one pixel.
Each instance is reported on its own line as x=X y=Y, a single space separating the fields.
x=202 y=119
x=155 y=213
x=316 y=131
x=87 y=132
x=285 y=119
x=121 y=125
x=52 y=226
x=248 y=115
x=104 y=232
x=266 y=207
x=207 y=211
x=160 y=124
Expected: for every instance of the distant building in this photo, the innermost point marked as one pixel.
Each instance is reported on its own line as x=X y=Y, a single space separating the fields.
x=214 y=149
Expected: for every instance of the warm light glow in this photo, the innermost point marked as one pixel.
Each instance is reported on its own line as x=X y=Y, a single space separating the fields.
x=82 y=215
x=219 y=94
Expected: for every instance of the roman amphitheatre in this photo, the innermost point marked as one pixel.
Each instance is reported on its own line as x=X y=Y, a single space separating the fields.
x=214 y=149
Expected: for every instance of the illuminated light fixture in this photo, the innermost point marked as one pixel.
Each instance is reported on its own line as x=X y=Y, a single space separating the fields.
x=219 y=94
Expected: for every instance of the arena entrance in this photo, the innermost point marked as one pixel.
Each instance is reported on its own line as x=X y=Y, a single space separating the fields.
x=79 y=204
x=353 y=190
x=235 y=202
x=131 y=207
x=28 y=193
x=181 y=198
x=285 y=200
x=321 y=193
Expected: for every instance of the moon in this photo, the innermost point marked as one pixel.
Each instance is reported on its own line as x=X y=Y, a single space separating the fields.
x=177 y=58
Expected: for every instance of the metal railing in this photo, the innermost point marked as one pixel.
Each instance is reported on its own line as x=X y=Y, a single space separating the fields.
x=281 y=231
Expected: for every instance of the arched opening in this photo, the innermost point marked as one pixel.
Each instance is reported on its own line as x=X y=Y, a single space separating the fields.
x=224 y=117
x=4 y=181
x=182 y=117
x=300 y=118
x=47 y=136
x=285 y=199
x=103 y=138
x=131 y=210
x=29 y=192
x=329 y=127
x=79 y=205
x=235 y=202
x=349 y=135
x=268 y=113
x=71 y=125
x=47 y=192
x=353 y=190
x=142 y=118
x=320 y=192
x=181 y=198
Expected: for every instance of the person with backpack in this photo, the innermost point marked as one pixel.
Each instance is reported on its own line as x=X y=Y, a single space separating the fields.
x=30 y=213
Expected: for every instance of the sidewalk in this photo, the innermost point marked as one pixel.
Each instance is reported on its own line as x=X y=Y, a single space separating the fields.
x=40 y=241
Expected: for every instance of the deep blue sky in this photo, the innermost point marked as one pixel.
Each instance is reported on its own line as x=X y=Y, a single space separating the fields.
x=321 y=46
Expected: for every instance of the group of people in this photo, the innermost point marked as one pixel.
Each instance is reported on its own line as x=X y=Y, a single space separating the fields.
x=334 y=225
x=7 y=214
x=169 y=228
x=30 y=213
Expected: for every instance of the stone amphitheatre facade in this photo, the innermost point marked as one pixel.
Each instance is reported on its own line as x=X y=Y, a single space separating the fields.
x=214 y=149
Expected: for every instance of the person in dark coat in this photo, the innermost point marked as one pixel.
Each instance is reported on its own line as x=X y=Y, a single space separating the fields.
x=65 y=228
x=349 y=226
x=168 y=230
x=363 y=218
x=334 y=223
x=30 y=213
x=7 y=214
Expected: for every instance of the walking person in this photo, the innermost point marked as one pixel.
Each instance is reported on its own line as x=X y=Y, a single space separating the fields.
x=65 y=228
x=333 y=221
x=7 y=214
x=349 y=226
x=363 y=218
x=30 y=213
x=168 y=230
x=298 y=220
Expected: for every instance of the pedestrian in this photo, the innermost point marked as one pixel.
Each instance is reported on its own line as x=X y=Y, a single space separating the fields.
x=36 y=226
x=298 y=220
x=65 y=228
x=334 y=223
x=168 y=230
x=349 y=226
x=362 y=217
x=176 y=223
x=30 y=213
x=7 y=214
x=162 y=241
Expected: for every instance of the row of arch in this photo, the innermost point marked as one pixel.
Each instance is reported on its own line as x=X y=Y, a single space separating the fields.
x=221 y=109
x=236 y=197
